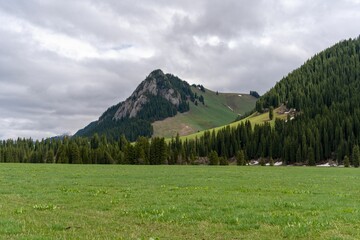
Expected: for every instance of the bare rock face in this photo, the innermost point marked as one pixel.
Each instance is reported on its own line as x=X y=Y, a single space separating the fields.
x=172 y=96
x=155 y=84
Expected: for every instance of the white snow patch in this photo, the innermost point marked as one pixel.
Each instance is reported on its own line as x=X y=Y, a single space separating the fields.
x=324 y=165
x=278 y=164
x=254 y=162
x=240 y=95
x=327 y=165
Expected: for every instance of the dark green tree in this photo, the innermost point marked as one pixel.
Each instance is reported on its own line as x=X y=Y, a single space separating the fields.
x=61 y=155
x=271 y=113
x=271 y=161
x=50 y=156
x=346 y=161
x=311 y=157
x=223 y=161
x=356 y=156
x=213 y=158
x=240 y=158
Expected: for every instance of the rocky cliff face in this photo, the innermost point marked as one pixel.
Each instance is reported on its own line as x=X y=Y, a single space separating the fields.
x=156 y=84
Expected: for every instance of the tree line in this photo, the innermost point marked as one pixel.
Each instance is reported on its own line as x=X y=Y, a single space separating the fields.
x=240 y=144
x=325 y=92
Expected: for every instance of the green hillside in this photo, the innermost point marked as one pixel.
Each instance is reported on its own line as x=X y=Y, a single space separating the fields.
x=325 y=92
x=255 y=118
x=219 y=109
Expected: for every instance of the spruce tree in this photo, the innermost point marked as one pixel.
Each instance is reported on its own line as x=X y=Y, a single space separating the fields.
x=74 y=154
x=240 y=158
x=271 y=113
x=262 y=161
x=213 y=158
x=95 y=141
x=356 y=156
x=311 y=157
x=346 y=161
x=271 y=161
x=223 y=161
x=61 y=155
x=50 y=156
x=298 y=155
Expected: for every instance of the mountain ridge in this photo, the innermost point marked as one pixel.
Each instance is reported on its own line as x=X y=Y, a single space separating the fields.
x=157 y=97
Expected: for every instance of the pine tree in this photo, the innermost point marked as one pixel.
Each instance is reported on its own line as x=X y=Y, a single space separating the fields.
x=223 y=161
x=262 y=161
x=271 y=161
x=61 y=155
x=50 y=156
x=298 y=155
x=158 y=151
x=346 y=161
x=271 y=113
x=107 y=158
x=356 y=156
x=240 y=158
x=74 y=154
x=311 y=157
x=213 y=158
x=95 y=141
x=129 y=153
x=85 y=154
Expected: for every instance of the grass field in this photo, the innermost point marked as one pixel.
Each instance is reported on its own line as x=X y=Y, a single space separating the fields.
x=178 y=202
x=218 y=110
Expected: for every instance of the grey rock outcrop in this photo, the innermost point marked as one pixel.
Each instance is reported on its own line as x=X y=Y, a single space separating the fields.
x=155 y=84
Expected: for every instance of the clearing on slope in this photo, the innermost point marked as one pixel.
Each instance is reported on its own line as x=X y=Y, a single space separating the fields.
x=218 y=109
x=255 y=118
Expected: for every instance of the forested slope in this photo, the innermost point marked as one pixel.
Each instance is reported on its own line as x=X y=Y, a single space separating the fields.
x=326 y=91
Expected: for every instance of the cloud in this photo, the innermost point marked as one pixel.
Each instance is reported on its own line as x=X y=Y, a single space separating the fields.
x=62 y=63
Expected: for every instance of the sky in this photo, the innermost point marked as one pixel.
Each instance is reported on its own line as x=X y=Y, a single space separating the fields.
x=64 y=62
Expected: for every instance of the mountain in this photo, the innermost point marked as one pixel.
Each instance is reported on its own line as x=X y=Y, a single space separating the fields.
x=157 y=97
x=164 y=104
x=316 y=112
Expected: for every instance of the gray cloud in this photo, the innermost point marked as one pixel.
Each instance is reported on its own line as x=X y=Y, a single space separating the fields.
x=62 y=63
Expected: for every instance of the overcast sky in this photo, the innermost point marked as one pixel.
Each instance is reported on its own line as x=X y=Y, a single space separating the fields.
x=64 y=62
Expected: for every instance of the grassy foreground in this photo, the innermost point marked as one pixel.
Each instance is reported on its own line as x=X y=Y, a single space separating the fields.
x=178 y=202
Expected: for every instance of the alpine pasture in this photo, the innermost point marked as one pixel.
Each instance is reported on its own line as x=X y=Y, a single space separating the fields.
x=39 y=201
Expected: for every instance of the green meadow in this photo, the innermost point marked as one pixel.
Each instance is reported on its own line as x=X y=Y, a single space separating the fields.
x=178 y=202
x=255 y=119
x=218 y=110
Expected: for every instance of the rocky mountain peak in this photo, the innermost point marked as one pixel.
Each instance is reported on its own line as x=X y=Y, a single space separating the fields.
x=156 y=74
x=156 y=84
